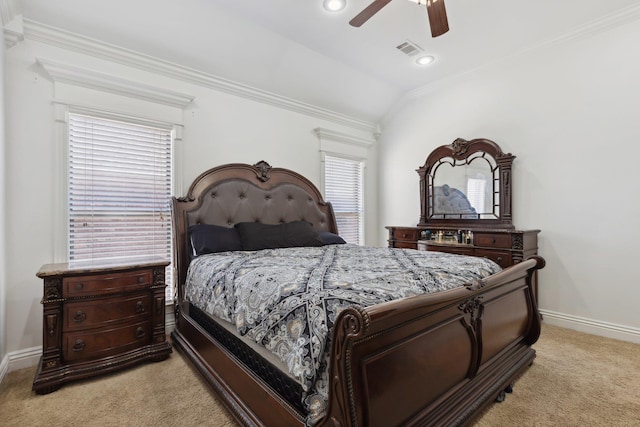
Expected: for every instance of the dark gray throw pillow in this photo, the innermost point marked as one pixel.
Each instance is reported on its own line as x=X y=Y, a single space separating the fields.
x=256 y=236
x=329 y=238
x=207 y=239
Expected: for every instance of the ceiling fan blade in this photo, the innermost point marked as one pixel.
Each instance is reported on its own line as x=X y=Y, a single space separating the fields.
x=368 y=12
x=437 y=17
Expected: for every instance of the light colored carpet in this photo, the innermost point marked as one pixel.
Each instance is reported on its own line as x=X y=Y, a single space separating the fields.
x=576 y=380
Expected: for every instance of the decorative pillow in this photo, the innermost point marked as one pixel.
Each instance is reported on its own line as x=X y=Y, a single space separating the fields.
x=330 y=239
x=206 y=239
x=256 y=236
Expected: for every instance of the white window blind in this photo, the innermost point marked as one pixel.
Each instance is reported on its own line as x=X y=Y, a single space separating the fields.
x=343 y=181
x=119 y=191
x=476 y=193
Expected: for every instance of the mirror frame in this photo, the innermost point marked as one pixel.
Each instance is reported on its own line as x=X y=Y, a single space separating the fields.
x=461 y=150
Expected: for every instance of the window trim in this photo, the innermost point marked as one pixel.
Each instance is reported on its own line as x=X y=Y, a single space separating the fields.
x=59 y=215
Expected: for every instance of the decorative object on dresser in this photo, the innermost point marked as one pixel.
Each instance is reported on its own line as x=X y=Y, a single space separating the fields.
x=465 y=206
x=100 y=318
x=429 y=359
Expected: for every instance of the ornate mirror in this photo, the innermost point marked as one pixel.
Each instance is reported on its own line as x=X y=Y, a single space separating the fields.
x=466 y=184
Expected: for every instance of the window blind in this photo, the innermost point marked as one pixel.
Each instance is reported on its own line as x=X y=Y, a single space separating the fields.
x=344 y=189
x=119 y=191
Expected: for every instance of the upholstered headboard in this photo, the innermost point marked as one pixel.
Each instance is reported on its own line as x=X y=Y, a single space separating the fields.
x=234 y=193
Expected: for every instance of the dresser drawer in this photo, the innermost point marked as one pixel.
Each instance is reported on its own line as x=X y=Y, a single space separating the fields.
x=405 y=245
x=93 y=344
x=450 y=249
x=96 y=313
x=78 y=286
x=412 y=234
x=492 y=240
x=502 y=258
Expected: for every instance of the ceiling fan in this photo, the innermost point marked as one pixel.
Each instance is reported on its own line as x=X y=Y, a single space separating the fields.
x=435 y=9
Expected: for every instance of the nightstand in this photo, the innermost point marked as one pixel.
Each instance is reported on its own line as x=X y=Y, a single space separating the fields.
x=99 y=318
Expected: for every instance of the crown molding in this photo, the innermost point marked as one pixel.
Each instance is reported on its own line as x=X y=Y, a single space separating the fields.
x=331 y=135
x=11 y=38
x=91 y=79
x=6 y=12
x=12 y=26
x=39 y=32
x=604 y=23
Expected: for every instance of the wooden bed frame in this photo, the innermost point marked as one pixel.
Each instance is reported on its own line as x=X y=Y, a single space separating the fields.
x=435 y=359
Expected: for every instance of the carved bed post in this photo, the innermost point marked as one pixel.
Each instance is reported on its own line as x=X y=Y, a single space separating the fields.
x=351 y=325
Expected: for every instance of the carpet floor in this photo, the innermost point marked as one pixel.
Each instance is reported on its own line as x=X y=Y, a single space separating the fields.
x=576 y=380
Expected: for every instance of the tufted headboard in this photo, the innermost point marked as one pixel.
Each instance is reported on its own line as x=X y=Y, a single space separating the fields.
x=236 y=192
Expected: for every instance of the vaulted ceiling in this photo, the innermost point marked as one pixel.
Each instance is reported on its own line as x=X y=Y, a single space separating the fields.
x=296 y=49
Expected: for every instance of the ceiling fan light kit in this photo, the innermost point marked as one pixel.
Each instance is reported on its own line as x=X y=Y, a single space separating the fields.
x=334 y=5
x=435 y=10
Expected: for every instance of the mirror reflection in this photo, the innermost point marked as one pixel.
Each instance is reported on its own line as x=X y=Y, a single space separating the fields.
x=466 y=184
x=465 y=189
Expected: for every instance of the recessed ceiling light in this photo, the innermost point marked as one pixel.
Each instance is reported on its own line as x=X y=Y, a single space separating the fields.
x=425 y=60
x=334 y=5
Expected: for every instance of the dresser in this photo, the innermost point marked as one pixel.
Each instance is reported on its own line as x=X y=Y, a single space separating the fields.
x=505 y=247
x=100 y=318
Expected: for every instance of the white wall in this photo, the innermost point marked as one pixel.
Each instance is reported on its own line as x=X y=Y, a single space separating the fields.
x=3 y=319
x=569 y=112
x=217 y=128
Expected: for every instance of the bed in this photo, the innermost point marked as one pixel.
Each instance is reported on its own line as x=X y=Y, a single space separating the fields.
x=435 y=358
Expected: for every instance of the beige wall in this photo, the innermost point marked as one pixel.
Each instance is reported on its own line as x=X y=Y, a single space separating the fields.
x=3 y=299
x=569 y=112
x=218 y=127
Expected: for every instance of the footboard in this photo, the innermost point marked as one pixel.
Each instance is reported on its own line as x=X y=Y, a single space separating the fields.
x=434 y=359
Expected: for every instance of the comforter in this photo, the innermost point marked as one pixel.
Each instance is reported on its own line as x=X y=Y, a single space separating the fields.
x=288 y=299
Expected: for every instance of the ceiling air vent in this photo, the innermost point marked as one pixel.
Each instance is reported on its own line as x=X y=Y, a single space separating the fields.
x=409 y=48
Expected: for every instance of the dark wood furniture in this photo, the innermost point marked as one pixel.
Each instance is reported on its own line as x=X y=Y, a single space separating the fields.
x=454 y=164
x=505 y=247
x=494 y=235
x=100 y=318
x=431 y=360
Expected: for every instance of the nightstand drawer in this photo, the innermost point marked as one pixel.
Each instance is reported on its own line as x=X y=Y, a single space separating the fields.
x=492 y=240
x=90 y=314
x=96 y=344
x=78 y=286
x=502 y=258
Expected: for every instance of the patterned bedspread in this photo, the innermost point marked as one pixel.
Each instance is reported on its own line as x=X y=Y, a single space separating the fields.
x=288 y=299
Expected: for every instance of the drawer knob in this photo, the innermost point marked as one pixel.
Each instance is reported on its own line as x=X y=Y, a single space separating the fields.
x=78 y=346
x=404 y=235
x=140 y=279
x=499 y=260
x=139 y=307
x=139 y=332
x=79 y=317
x=79 y=286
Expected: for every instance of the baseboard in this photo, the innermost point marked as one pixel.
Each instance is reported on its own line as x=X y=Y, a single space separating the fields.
x=4 y=367
x=590 y=326
x=19 y=359
x=169 y=319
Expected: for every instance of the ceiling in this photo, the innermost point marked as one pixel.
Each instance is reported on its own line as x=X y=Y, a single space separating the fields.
x=296 y=49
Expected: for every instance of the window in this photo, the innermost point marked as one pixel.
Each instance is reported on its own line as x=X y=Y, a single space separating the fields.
x=343 y=187
x=476 y=188
x=119 y=190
